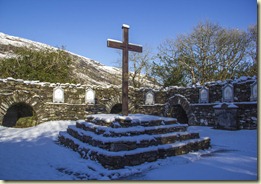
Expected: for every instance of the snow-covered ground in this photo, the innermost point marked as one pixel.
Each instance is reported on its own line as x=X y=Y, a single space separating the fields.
x=33 y=154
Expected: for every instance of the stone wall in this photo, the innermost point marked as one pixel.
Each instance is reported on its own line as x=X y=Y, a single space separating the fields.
x=203 y=113
x=247 y=115
x=39 y=95
x=190 y=93
x=54 y=111
x=247 y=110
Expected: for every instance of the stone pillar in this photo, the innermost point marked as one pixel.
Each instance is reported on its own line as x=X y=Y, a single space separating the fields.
x=226 y=116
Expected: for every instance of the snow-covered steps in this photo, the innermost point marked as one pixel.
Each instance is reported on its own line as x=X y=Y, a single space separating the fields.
x=130 y=131
x=144 y=139
x=125 y=143
x=132 y=120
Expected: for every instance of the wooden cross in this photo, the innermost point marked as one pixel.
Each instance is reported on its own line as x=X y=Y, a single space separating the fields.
x=125 y=46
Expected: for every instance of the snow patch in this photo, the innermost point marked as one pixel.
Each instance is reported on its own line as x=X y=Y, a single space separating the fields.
x=33 y=154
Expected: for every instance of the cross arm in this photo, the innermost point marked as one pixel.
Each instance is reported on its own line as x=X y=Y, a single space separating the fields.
x=135 y=48
x=114 y=44
x=119 y=45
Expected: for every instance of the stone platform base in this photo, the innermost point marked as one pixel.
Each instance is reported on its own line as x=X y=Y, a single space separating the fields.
x=119 y=141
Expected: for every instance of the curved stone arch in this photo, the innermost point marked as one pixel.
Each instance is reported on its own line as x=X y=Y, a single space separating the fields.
x=20 y=96
x=184 y=103
x=117 y=100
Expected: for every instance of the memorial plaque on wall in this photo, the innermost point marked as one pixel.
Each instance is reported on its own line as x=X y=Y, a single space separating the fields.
x=58 y=95
x=149 y=98
x=203 y=95
x=90 y=96
x=253 y=87
x=228 y=93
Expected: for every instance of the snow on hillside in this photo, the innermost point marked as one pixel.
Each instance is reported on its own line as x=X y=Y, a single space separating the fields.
x=34 y=154
x=20 y=42
x=86 y=70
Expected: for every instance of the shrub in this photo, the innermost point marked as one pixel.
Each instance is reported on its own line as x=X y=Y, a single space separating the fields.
x=25 y=122
x=47 y=65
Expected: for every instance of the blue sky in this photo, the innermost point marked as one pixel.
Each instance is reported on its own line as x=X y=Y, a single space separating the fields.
x=83 y=26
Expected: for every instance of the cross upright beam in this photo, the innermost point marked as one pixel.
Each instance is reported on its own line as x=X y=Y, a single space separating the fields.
x=125 y=46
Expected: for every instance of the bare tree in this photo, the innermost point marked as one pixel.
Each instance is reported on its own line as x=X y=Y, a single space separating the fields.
x=209 y=53
x=139 y=65
x=252 y=36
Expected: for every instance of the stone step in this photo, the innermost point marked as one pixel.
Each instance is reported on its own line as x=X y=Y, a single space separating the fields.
x=129 y=121
x=119 y=141
x=120 y=159
x=130 y=131
x=125 y=143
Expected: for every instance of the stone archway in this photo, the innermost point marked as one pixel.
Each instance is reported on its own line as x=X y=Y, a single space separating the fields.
x=179 y=101
x=15 y=112
x=116 y=101
x=19 y=97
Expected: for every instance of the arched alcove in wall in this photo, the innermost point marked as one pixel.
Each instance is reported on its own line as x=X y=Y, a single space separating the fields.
x=114 y=105
x=181 y=106
x=178 y=112
x=15 y=112
x=19 y=99
x=116 y=109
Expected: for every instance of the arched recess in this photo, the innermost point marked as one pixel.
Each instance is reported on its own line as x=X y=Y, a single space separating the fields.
x=178 y=101
x=20 y=97
x=178 y=112
x=116 y=101
x=15 y=112
x=116 y=109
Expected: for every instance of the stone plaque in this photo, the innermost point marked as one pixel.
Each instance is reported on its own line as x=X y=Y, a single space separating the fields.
x=58 y=95
x=90 y=96
x=228 y=93
x=253 y=96
x=203 y=95
x=149 y=98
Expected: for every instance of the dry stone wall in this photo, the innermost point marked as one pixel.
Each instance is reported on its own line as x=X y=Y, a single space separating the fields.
x=39 y=95
x=203 y=113
x=185 y=100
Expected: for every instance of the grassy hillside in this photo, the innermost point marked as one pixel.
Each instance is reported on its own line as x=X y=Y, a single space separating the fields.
x=30 y=60
x=45 y=65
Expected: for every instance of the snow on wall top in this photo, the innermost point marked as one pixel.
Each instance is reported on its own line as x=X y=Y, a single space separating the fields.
x=240 y=80
x=37 y=82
